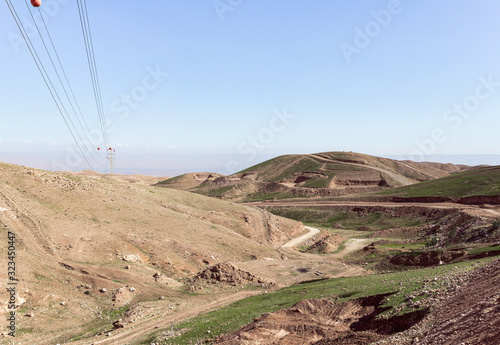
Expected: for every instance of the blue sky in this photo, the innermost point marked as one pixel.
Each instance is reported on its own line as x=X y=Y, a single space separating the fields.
x=245 y=80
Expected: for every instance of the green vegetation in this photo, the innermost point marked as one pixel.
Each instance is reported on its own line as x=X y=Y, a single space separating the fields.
x=343 y=167
x=172 y=180
x=283 y=167
x=303 y=164
x=261 y=196
x=41 y=277
x=234 y=316
x=99 y=326
x=273 y=161
x=213 y=192
x=483 y=181
x=337 y=218
x=320 y=182
x=483 y=250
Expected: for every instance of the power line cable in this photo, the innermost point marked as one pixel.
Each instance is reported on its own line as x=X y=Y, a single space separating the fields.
x=44 y=74
x=64 y=73
x=89 y=47
x=62 y=85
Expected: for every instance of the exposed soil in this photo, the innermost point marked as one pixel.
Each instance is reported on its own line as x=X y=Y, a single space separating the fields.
x=433 y=258
x=226 y=273
x=88 y=244
x=322 y=321
x=325 y=244
x=469 y=315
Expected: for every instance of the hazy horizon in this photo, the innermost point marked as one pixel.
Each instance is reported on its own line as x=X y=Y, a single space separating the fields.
x=173 y=164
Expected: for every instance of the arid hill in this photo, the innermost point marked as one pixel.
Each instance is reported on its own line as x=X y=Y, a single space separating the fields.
x=189 y=181
x=88 y=244
x=321 y=174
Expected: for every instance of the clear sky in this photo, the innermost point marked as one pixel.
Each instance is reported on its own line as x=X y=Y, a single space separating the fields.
x=245 y=80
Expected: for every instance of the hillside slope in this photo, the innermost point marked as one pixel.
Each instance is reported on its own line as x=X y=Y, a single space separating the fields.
x=189 y=180
x=81 y=238
x=477 y=182
x=321 y=174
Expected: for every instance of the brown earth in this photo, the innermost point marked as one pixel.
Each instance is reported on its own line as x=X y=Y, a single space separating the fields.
x=469 y=315
x=226 y=273
x=87 y=244
x=322 y=321
x=324 y=244
x=187 y=181
x=435 y=258
x=464 y=309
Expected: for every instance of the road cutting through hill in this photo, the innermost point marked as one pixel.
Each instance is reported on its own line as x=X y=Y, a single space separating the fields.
x=296 y=241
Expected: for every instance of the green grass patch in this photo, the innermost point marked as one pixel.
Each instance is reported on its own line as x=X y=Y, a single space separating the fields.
x=213 y=192
x=338 y=218
x=172 y=180
x=320 y=182
x=302 y=165
x=483 y=181
x=261 y=196
x=483 y=250
x=41 y=277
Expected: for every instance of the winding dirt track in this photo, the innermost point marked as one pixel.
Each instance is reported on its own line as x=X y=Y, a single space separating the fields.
x=167 y=318
x=199 y=304
x=403 y=180
x=470 y=209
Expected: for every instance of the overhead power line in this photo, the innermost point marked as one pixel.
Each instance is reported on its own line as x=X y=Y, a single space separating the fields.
x=46 y=78
x=89 y=47
x=68 y=106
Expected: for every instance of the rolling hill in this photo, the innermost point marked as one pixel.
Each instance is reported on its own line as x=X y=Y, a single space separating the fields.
x=321 y=174
x=483 y=181
x=87 y=245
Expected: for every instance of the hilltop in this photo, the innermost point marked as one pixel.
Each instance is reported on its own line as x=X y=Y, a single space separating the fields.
x=321 y=174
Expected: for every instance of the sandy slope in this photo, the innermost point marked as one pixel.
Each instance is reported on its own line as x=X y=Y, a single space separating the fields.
x=80 y=233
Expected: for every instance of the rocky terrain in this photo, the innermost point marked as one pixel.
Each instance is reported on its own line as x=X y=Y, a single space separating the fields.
x=468 y=313
x=87 y=244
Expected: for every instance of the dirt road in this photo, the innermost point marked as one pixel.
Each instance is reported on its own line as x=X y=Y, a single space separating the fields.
x=201 y=304
x=166 y=318
x=296 y=241
x=402 y=180
x=474 y=210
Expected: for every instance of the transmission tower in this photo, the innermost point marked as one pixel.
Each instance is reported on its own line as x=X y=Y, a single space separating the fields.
x=111 y=158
